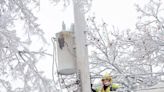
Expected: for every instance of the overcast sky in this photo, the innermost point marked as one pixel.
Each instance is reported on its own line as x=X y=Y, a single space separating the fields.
x=120 y=13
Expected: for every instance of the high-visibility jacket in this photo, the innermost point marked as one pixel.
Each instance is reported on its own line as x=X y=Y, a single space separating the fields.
x=108 y=89
x=101 y=89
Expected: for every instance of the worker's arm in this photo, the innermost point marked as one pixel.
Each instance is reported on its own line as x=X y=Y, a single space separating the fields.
x=114 y=87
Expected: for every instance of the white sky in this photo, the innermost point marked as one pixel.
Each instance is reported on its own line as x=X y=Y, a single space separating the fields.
x=120 y=13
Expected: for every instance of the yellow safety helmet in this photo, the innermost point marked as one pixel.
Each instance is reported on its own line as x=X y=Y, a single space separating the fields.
x=107 y=76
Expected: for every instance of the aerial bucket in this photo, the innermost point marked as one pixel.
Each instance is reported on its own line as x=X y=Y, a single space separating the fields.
x=66 y=53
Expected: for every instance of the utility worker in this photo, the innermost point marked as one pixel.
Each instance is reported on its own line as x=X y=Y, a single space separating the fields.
x=107 y=85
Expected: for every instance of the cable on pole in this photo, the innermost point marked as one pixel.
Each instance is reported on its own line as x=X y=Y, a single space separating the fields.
x=54 y=61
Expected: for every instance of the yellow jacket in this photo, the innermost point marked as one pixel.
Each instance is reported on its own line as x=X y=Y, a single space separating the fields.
x=108 y=89
x=101 y=89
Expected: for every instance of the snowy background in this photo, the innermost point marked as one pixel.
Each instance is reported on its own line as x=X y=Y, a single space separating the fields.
x=125 y=38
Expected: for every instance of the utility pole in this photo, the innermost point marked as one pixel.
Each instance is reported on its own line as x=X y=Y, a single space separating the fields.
x=81 y=47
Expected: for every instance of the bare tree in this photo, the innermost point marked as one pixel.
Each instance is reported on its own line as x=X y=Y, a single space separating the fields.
x=18 y=71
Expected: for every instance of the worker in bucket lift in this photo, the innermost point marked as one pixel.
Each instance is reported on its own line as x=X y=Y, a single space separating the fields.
x=107 y=85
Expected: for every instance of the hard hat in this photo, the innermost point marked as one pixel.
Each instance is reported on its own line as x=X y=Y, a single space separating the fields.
x=107 y=76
